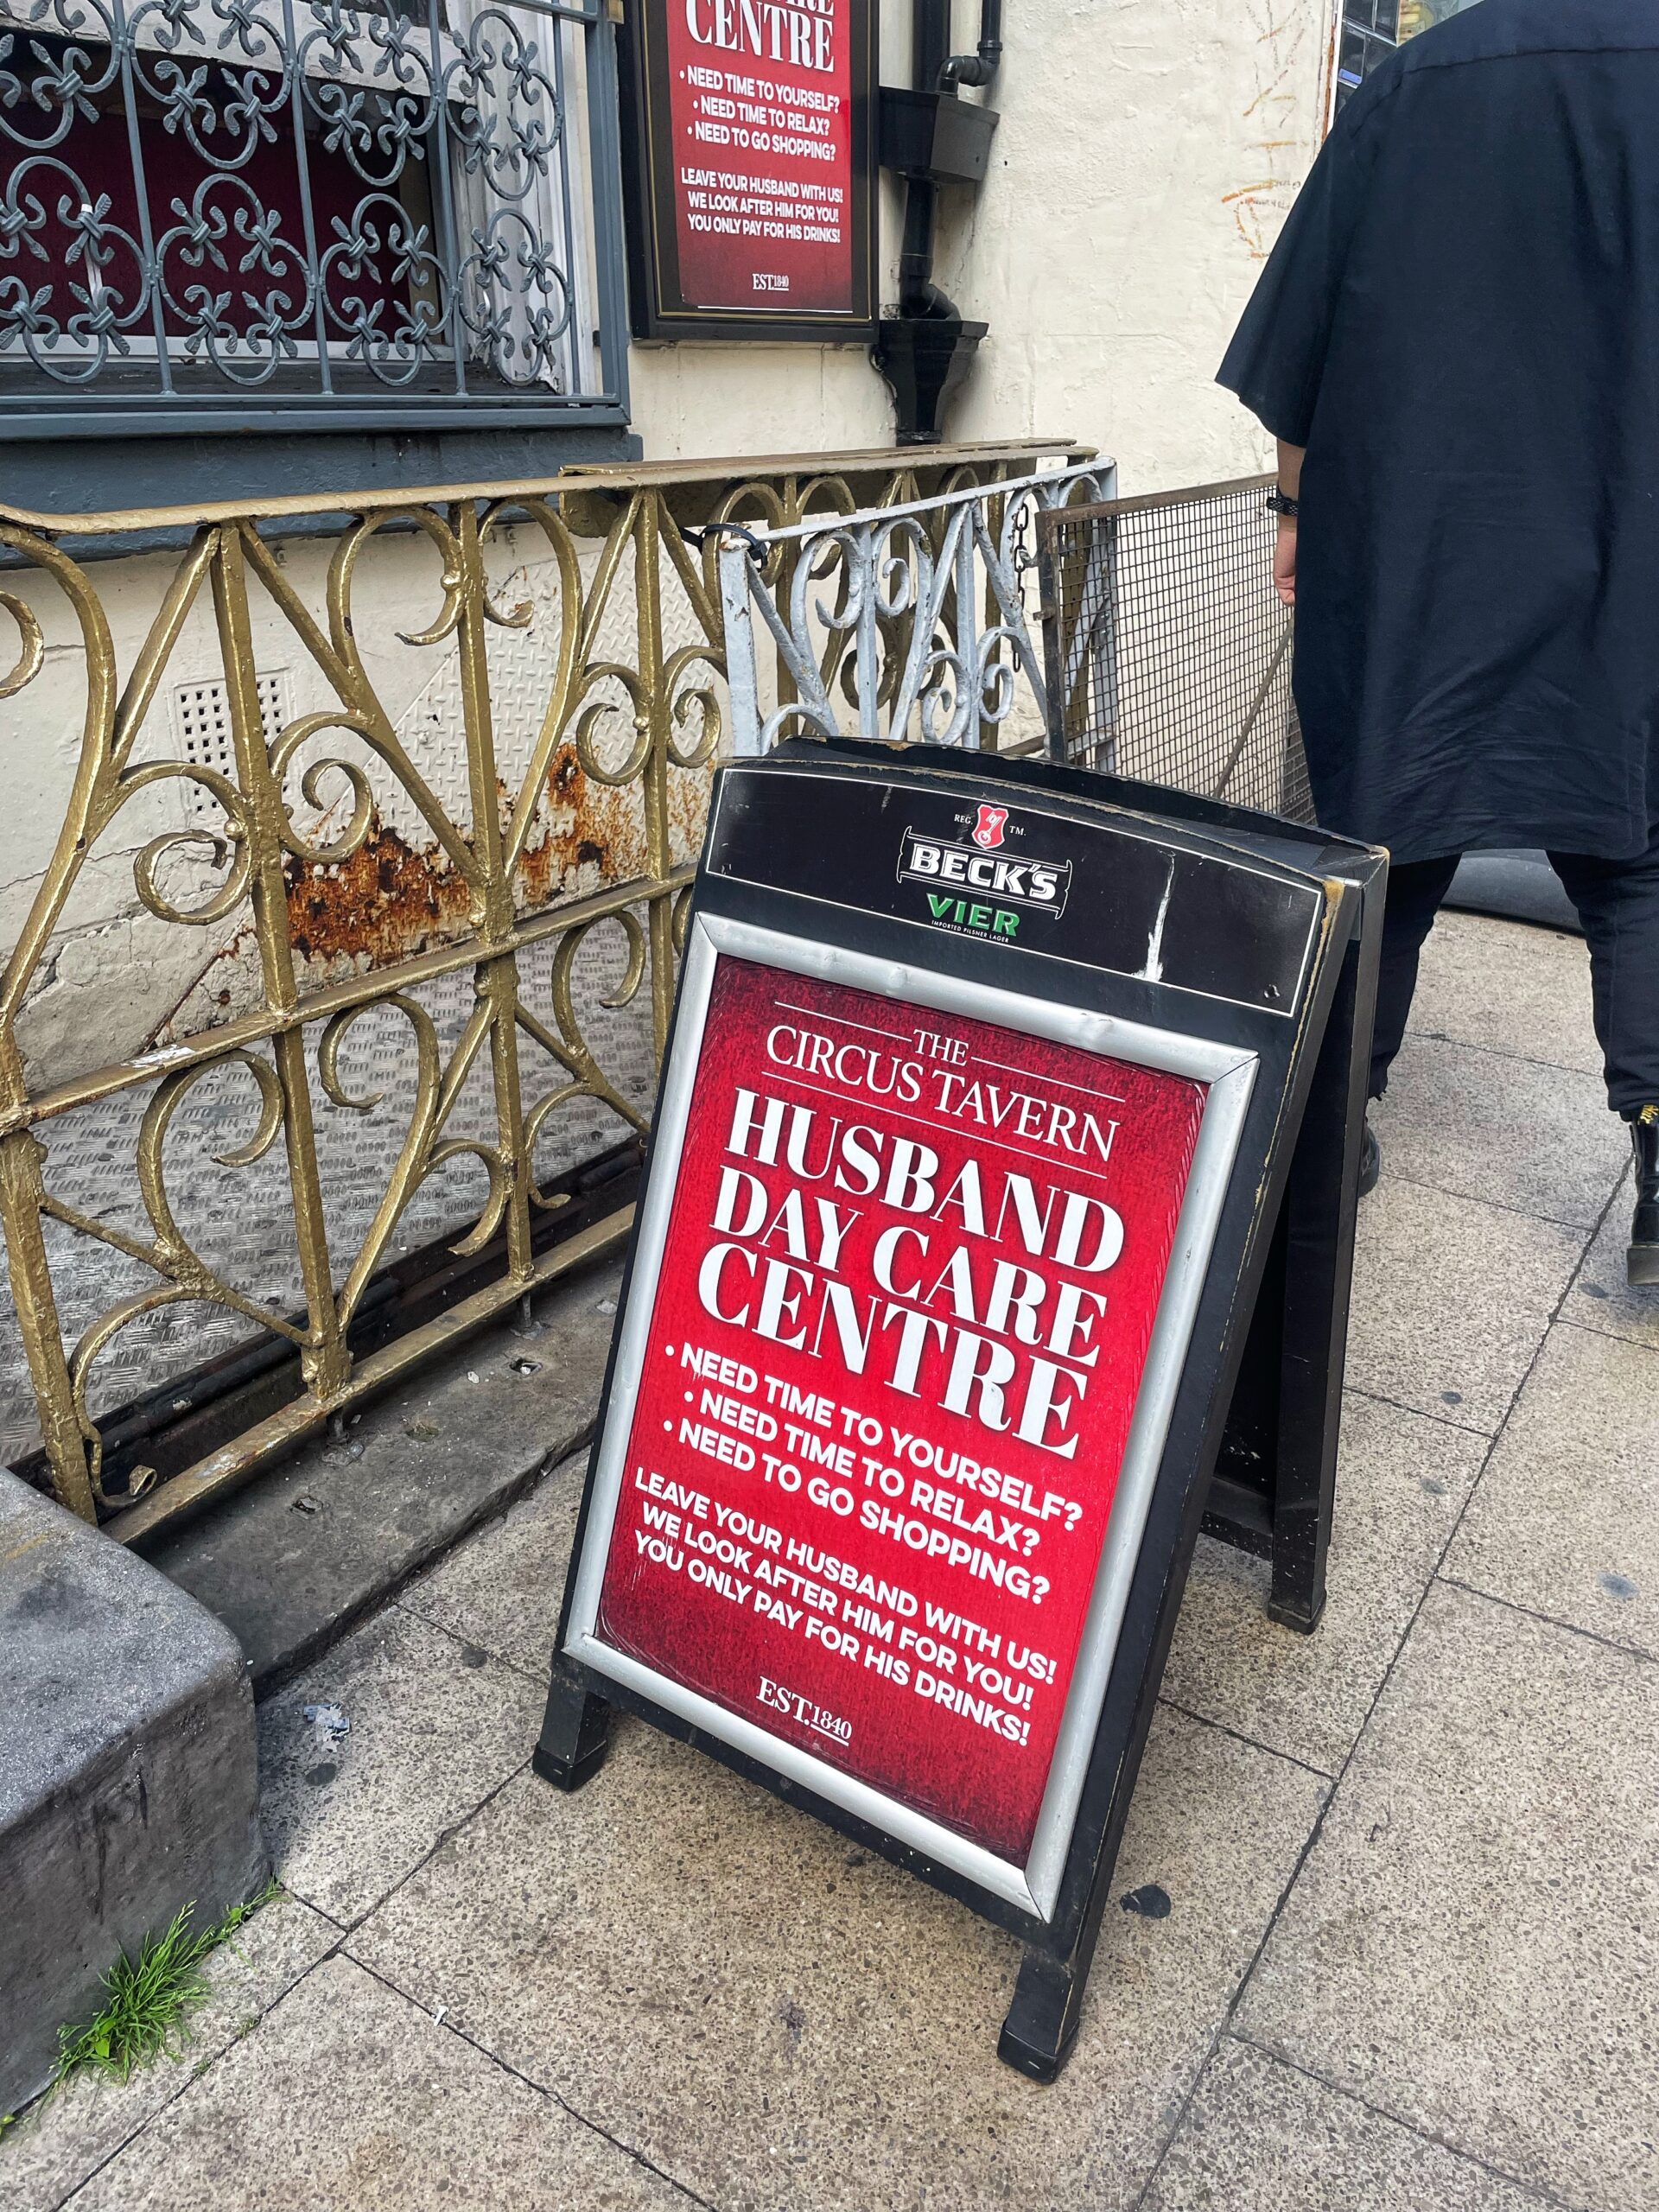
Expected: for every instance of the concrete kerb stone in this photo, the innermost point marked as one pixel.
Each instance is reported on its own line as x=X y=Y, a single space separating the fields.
x=295 y=1559
x=128 y=1785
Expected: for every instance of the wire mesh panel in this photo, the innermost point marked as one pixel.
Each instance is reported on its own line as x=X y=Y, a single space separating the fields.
x=1168 y=650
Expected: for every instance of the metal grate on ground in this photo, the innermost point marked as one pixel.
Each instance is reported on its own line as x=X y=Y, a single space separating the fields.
x=1169 y=650
x=240 y=1219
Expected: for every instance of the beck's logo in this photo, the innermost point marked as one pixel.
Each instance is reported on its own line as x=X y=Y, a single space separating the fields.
x=968 y=873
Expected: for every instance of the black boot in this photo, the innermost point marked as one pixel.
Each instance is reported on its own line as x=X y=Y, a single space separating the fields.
x=1641 y=1261
x=1370 y=1161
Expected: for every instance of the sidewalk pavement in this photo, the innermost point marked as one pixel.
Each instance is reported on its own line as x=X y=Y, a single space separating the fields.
x=1413 y=1951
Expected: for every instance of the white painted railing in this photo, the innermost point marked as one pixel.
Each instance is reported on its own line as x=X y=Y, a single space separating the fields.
x=916 y=621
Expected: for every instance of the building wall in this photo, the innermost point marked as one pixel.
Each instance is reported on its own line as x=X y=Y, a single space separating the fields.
x=694 y=402
x=1147 y=153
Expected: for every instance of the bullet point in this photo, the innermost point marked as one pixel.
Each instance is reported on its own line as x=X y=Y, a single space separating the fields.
x=668 y=1351
x=669 y=1426
x=687 y=1397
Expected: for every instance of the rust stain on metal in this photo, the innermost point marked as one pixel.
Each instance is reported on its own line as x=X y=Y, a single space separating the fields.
x=386 y=900
x=390 y=898
x=589 y=827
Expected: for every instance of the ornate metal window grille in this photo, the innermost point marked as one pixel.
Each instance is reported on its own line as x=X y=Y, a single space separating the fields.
x=387 y=212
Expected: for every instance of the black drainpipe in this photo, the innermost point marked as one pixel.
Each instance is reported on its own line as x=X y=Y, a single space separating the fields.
x=980 y=66
x=932 y=137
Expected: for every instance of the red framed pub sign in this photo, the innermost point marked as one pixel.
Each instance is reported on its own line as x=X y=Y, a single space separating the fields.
x=885 y=1398
x=972 y=1154
x=748 y=159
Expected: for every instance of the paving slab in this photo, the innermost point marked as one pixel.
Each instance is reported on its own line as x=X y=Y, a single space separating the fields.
x=502 y=1588
x=67 y=2136
x=1509 y=987
x=359 y=2102
x=1600 y=1299
x=781 y=2020
x=1566 y=1519
x=1259 y=2137
x=1473 y=1944
x=1451 y=1300
x=1402 y=1481
x=1514 y=1133
x=410 y=1731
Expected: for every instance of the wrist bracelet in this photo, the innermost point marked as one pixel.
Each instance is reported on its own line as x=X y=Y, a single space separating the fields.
x=1280 y=502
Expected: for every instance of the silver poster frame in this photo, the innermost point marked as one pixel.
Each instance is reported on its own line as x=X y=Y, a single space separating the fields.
x=1230 y=1072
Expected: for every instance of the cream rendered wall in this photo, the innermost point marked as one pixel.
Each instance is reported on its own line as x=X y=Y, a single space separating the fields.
x=1148 y=154
x=698 y=401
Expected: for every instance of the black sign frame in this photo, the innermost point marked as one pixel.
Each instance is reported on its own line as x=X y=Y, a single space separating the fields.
x=657 y=310
x=1276 y=1278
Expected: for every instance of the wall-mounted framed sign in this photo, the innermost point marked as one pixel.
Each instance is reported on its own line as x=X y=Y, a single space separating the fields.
x=749 y=167
x=1000 y=1124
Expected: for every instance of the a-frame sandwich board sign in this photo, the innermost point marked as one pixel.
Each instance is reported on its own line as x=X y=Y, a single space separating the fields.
x=978 y=1118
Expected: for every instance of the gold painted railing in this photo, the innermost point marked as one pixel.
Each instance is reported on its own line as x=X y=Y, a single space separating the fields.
x=334 y=873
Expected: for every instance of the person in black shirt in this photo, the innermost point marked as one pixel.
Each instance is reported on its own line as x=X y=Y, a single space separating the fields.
x=1456 y=344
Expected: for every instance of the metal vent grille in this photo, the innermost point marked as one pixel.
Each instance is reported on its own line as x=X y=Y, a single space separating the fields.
x=201 y=715
x=1169 y=652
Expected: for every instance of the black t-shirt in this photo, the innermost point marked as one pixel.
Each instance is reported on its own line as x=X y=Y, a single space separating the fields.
x=1460 y=322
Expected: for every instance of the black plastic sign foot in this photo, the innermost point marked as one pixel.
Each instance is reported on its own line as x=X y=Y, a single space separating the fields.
x=1290 y=1614
x=576 y=1736
x=1042 y=2024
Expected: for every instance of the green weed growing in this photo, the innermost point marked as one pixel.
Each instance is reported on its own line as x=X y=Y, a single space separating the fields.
x=146 y=1997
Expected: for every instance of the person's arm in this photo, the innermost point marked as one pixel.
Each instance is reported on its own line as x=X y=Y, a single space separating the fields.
x=1284 y=551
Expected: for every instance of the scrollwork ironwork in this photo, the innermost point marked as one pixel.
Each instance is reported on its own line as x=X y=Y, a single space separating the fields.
x=516 y=300
x=233 y=845
x=309 y=197
x=384 y=290
x=187 y=1276
x=376 y=113
x=301 y=813
x=69 y=72
x=210 y=266
x=217 y=72
x=883 y=611
x=31 y=643
x=71 y=323
x=569 y=1046
x=508 y=121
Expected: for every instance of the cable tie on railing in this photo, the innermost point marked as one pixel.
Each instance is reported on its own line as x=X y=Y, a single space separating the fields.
x=759 y=551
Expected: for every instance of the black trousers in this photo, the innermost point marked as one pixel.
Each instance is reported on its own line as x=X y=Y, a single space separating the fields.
x=1618 y=905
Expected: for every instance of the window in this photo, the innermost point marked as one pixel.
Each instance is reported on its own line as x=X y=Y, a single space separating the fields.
x=390 y=212
x=1371 y=29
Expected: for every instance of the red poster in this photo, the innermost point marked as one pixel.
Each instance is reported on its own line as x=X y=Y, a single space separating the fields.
x=911 y=1274
x=760 y=96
